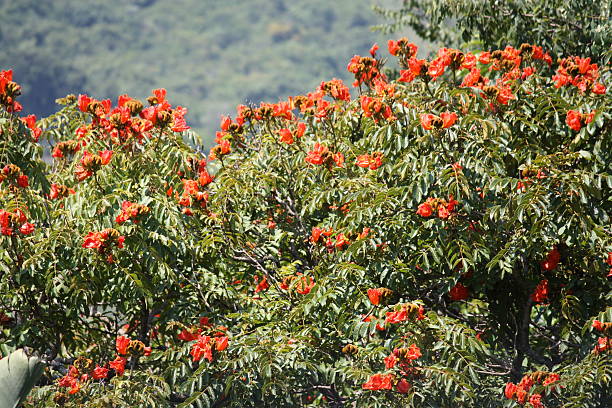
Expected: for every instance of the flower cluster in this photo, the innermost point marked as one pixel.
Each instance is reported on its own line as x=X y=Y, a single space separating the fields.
x=301 y=283
x=83 y=370
x=459 y=292
x=126 y=347
x=404 y=312
x=519 y=392
x=65 y=148
x=192 y=196
x=552 y=260
x=261 y=284
x=14 y=176
x=206 y=338
x=365 y=69
x=91 y=163
x=540 y=294
x=371 y=161
x=10 y=222
x=320 y=154
x=103 y=241
x=579 y=72
x=287 y=136
x=30 y=122
x=9 y=90
x=444 y=208
x=576 y=120
x=334 y=240
x=131 y=211
x=379 y=295
x=375 y=108
x=445 y=120
x=336 y=89
x=60 y=191
x=402 y=360
x=603 y=343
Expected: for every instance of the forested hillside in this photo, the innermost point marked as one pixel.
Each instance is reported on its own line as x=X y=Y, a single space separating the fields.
x=210 y=55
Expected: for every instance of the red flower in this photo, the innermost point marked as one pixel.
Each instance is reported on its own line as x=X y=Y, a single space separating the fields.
x=397 y=316
x=301 y=128
x=106 y=155
x=414 y=352
x=510 y=390
x=261 y=285
x=552 y=260
x=390 y=361
x=187 y=335
x=121 y=345
x=425 y=210
x=315 y=234
x=202 y=348
x=338 y=159
x=363 y=161
x=83 y=101
x=103 y=240
x=536 y=401
x=597 y=325
x=576 y=120
x=459 y=292
x=426 y=120
x=603 y=344
x=445 y=120
x=341 y=241
x=221 y=343
x=540 y=295
x=448 y=119
x=373 y=50
x=403 y=386
x=551 y=378
x=99 y=373
x=304 y=285
x=22 y=181
x=226 y=121
x=379 y=382
x=315 y=156
x=374 y=296
x=598 y=88
x=286 y=136
x=118 y=365
x=27 y=228
x=393 y=47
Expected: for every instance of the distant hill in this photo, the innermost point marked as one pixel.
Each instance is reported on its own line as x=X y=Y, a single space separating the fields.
x=209 y=54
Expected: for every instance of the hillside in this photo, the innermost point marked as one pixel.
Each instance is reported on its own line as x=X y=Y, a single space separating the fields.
x=210 y=55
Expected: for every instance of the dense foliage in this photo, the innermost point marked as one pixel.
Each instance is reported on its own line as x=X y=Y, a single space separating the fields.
x=443 y=240
x=564 y=27
x=211 y=55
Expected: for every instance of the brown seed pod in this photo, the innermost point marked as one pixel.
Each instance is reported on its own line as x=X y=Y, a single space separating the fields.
x=135 y=348
x=350 y=349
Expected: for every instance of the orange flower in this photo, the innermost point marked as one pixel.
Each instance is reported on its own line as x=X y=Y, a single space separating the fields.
x=315 y=156
x=379 y=382
x=459 y=292
x=540 y=295
x=286 y=136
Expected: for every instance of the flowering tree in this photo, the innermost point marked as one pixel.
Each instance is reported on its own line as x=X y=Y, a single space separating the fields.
x=442 y=238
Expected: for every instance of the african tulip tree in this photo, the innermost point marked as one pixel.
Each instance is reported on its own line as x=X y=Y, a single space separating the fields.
x=441 y=237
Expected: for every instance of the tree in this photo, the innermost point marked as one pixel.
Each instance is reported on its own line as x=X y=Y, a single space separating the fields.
x=443 y=238
x=569 y=27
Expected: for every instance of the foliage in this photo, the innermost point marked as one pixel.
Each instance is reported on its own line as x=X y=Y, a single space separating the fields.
x=568 y=27
x=442 y=240
x=18 y=374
